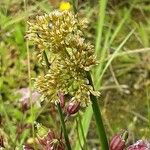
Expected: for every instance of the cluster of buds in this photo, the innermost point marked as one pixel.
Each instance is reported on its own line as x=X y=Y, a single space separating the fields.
x=118 y=142
x=47 y=139
x=60 y=35
x=50 y=142
x=71 y=108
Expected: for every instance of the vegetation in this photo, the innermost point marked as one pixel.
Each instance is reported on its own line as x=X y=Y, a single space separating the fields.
x=73 y=73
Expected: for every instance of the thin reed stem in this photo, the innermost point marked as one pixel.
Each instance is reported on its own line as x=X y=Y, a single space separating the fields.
x=63 y=127
x=82 y=131
x=74 y=6
x=29 y=79
x=78 y=136
x=98 y=118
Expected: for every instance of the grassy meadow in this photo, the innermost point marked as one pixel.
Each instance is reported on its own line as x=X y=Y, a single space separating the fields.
x=120 y=33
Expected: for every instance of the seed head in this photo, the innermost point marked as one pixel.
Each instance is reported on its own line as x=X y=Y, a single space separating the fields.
x=60 y=34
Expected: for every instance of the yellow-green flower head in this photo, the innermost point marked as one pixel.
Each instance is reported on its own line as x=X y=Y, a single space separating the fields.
x=60 y=34
x=53 y=31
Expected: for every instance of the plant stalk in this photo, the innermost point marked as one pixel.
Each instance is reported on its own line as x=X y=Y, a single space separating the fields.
x=63 y=127
x=74 y=6
x=98 y=118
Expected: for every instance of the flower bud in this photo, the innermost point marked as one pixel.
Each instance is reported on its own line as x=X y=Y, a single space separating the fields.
x=61 y=99
x=118 y=141
x=140 y=145
x=25 y=98
x=24 y=106
x=73 y=107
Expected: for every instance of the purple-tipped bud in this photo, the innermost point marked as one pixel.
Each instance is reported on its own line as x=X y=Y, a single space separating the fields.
x=118 y=141
x=140 y=145
x=61 y=99
x=73 y=107
x=24 y=106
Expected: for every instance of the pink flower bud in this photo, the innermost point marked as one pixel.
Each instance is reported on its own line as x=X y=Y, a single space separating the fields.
x=140 y=145
x=25 y=98
x=24 y=106
x=61 y=98
x=73 y=107
x=118 y=141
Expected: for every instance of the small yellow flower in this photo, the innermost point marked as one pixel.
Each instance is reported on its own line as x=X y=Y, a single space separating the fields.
x=64 y=6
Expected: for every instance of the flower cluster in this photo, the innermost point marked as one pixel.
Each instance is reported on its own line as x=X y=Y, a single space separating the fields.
x=61 y=35
x=48 y=140
x=45 y=140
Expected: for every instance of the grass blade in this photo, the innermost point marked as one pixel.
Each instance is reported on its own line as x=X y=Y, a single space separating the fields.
x=113 y=56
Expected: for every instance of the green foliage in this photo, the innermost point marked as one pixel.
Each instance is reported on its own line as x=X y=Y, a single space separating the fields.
x=121 y=31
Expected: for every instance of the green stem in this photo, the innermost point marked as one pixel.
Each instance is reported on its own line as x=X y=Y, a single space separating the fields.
x=74 y=6
x=78 y=135
x=63 y=127
x=82 y=132
x=98 y=118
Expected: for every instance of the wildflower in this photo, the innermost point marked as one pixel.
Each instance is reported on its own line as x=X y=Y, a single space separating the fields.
x=48 y=140
x=64 y=6
x=118 y=141
x=25 y=99
x=140 y=145
x=73 y=107
x=60 y=34
x=61 y=98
